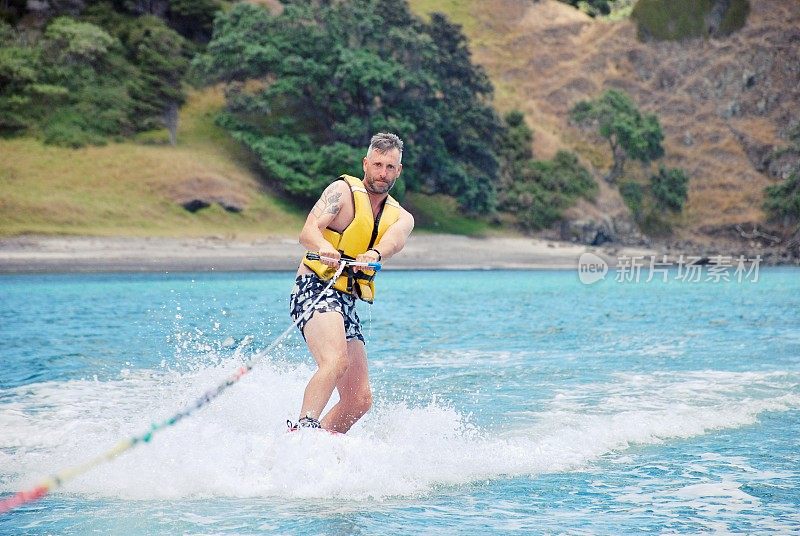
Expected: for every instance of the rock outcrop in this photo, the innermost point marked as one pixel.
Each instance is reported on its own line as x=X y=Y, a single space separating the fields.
x=197 y=193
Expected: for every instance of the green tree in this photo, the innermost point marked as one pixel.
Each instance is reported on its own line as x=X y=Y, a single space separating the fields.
x=629 y=133
x=515 y=149
x=637 y=136
x=669 y=188
x=18 y=80
x=89 y=65
x=467 y=129
x=78 y=83
x=71 y=41
x=159 y=55
x=319 y=77
x=782 y=200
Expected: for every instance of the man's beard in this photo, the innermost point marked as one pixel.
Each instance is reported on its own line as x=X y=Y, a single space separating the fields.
x=377 y=187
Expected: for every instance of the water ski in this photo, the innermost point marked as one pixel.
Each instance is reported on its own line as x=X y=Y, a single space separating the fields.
x=294 y=427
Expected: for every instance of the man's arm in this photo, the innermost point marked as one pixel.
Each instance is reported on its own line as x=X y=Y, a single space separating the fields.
x=393 y=240
x=325 y=211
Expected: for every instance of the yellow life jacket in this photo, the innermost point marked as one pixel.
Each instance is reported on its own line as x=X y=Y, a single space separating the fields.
x=362 y=233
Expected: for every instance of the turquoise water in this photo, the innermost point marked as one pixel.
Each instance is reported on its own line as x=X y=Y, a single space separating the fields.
x=506 y=403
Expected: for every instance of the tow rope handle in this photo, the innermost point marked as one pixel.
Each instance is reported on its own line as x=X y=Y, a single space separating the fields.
x=374 y=265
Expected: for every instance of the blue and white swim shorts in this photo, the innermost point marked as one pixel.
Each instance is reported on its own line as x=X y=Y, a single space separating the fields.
x=307 y=288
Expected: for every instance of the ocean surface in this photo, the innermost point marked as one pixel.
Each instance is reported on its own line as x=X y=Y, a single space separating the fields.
x=506 y=402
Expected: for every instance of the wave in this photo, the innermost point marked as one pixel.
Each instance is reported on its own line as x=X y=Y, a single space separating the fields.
x=238 y=446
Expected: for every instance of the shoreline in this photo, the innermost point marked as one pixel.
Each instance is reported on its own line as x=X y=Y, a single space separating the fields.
x=48 y=254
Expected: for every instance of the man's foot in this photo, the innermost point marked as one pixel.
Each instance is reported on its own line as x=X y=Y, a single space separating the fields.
x=304 y=422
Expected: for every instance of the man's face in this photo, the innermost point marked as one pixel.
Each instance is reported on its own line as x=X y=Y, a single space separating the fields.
x=381 y=170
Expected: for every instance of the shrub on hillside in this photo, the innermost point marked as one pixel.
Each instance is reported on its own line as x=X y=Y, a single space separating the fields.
x=633 y=195
x=669 y=188
x=651 y=204
x=515 y=147
x=545 y=188
x=782 y=200
x=685 y=19
x=536 y=192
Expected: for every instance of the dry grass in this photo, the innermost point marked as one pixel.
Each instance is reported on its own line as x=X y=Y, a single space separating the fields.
x=122 y=189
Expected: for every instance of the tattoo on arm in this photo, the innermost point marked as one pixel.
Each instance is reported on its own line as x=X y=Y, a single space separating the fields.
x=329 y=202
x=334 y=205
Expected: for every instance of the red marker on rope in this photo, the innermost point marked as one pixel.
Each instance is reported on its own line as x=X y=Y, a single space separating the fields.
x=22 y=497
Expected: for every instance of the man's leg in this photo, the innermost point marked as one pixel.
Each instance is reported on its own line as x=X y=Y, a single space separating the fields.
x=355 y=396
x=325 y=337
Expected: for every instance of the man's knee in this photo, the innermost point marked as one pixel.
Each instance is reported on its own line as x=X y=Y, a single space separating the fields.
x=366 y=401
x=361 y=401
x=336 y=364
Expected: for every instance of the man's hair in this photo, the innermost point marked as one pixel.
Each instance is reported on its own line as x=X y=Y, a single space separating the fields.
x=385 y=141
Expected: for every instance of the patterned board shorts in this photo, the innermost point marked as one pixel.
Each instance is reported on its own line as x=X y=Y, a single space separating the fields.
x=306 y=289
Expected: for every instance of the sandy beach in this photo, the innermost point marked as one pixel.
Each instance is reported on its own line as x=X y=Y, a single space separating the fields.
x=39 y=254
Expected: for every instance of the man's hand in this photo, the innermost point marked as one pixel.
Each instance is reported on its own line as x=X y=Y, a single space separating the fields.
x=367 y=256
x=329 y=256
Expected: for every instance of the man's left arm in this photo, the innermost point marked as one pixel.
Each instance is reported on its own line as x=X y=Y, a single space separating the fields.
x=392 y=241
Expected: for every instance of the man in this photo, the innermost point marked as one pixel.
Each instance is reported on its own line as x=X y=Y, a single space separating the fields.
x=357 y=220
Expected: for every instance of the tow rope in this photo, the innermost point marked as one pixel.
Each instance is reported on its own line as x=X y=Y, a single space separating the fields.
x=59 y=479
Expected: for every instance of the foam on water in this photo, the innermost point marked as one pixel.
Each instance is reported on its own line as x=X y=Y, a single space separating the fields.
x=238 y=447
x=720 y=492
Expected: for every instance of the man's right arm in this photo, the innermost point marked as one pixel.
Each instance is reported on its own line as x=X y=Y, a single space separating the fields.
x=325 y=211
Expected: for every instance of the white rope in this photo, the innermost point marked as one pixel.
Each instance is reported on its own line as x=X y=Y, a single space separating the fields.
x=9 y=503
x=259 y=355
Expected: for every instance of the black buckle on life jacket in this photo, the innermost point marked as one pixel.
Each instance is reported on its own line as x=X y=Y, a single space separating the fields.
x=353 y=276
x=348 y=272
x=361 y=276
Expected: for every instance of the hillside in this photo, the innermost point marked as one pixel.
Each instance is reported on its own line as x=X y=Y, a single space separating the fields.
x=723 y=103
x=139 y=187
x=139 y=184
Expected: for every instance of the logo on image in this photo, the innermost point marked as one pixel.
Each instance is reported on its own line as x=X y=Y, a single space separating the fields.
x=591 y=268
